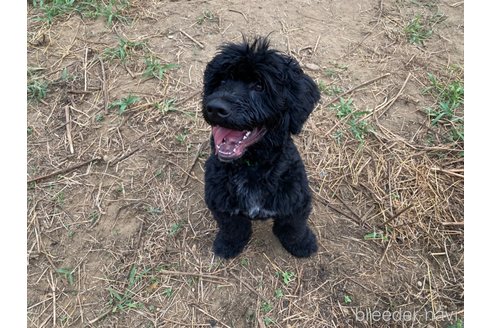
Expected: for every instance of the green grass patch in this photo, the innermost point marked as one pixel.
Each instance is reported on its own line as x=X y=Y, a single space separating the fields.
x=448 y=110
x=329 y=90
x=60 y=198
x=112 y=11
x=53 y=8
x=123 y=50
x=266 y=307
x=376 y=236
x=166 y=106
x=99 y=117
x=123 y=103
x=67 y=274
x=94 y=216
x=358 y=127
x=154 y=68
x=168 y=292
x=181 y=137
x=154 y=210
x=268 y=321
x=286 y=276
x=416 y=31
x=121 y=301
x=37 y=89
x=206 y=16
x=174 y=229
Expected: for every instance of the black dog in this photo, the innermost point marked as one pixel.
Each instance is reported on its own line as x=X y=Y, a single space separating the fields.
x=254 y=99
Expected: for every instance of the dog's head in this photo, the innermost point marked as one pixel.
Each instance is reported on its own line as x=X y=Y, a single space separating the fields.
x=254 y=96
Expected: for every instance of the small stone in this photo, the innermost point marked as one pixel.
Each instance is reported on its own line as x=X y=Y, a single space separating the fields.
x=312 y=67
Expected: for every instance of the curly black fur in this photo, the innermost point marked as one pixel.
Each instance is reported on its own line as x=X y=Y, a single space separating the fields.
x=251 y=87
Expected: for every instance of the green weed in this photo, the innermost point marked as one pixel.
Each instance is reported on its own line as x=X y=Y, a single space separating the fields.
x=286 y=276
x=458 y=324
x=347 y=299
x=334 y=90
x=175 y=228
x=67 y=274
x=339 y=136
x=266 y=307
x=330 y=72
x=335 y=70
x=60 y=198
x=154 y=68
x=181 y=137
x=158 y=173
x=99 y=118
x=37 y=89
x=343 y=108
x=279 y=293
x=124 y=103
x=51 y=9
x=66 y=76
x=191 y=282
x=123 y=50
x=111 y=11
x=450 y=99
x=359 y=127
x=168 y=292
x=329 y=90
x=268 y=321
x=207 y=15
x=376 y=236
x=437 y=18
x=416 y=32
x=94 y=216
x=120 y=189
x=166 y=106
x=154 y=210
x=120 y=301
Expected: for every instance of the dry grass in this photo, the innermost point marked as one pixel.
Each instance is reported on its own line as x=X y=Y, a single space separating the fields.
x=118 y=232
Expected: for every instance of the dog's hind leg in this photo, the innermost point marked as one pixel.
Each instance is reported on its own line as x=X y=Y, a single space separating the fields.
x=234 y=233
x=295 y=235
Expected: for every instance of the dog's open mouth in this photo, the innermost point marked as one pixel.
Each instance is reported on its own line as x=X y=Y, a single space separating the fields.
x=231 y=144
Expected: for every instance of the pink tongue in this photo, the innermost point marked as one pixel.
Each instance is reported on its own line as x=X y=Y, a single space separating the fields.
x=230 y=136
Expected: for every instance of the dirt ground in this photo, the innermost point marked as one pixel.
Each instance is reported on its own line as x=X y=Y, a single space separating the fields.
x=118 y=232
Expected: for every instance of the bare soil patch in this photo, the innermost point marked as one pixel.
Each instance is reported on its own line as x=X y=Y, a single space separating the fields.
x=118 y=232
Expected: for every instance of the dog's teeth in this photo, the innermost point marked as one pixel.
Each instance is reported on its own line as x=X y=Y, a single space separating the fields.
x=246 y=136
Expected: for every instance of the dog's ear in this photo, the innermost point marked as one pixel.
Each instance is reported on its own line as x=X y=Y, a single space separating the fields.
x=302 y=95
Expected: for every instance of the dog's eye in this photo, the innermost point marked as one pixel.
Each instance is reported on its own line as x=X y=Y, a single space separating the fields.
x=257 y=86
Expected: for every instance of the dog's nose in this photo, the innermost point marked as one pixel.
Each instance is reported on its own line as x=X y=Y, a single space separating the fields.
x=218 y=108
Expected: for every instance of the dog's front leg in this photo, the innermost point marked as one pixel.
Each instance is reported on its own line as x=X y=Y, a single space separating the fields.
x=295 y=235
x=234 y=233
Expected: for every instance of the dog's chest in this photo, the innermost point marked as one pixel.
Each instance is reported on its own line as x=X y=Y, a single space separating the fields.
x=252 y=197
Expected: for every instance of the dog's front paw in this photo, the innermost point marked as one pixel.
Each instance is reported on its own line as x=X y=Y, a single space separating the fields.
x=304 y=246
x=228 y=248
